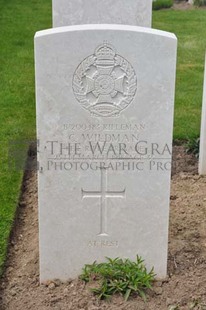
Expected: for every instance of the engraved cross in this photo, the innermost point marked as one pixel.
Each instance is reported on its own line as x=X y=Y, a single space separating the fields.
x=103 y=194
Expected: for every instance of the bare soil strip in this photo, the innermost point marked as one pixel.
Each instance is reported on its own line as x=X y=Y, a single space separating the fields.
x=186 y=282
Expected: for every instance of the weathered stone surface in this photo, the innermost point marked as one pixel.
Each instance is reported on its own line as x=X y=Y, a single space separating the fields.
x=105 y=99
x=78 y=12
x=202 y=155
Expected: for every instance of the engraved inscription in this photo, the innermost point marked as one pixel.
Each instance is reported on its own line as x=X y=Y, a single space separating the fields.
x=103 y=194
x=103 y=244
x=105 y=83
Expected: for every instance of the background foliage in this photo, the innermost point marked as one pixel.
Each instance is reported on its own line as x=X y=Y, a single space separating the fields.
x=162 y=4
x=199 y=2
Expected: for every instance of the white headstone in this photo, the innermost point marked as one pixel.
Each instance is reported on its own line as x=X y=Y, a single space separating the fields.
x=105 y=99
x=202 y=155
x=78 y=12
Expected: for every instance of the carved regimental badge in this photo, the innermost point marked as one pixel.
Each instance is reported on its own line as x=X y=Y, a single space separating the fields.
x=105 y=83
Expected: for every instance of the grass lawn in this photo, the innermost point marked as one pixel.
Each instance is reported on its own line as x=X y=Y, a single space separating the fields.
x=19 y=20
x=189 y=27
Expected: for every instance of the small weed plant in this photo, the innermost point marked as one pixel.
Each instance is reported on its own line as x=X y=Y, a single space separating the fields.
x=119 y=276
x=193 y=147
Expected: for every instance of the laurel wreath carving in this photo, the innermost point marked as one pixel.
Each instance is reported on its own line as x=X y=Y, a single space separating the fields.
x=131 y=79
x=78 y=87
